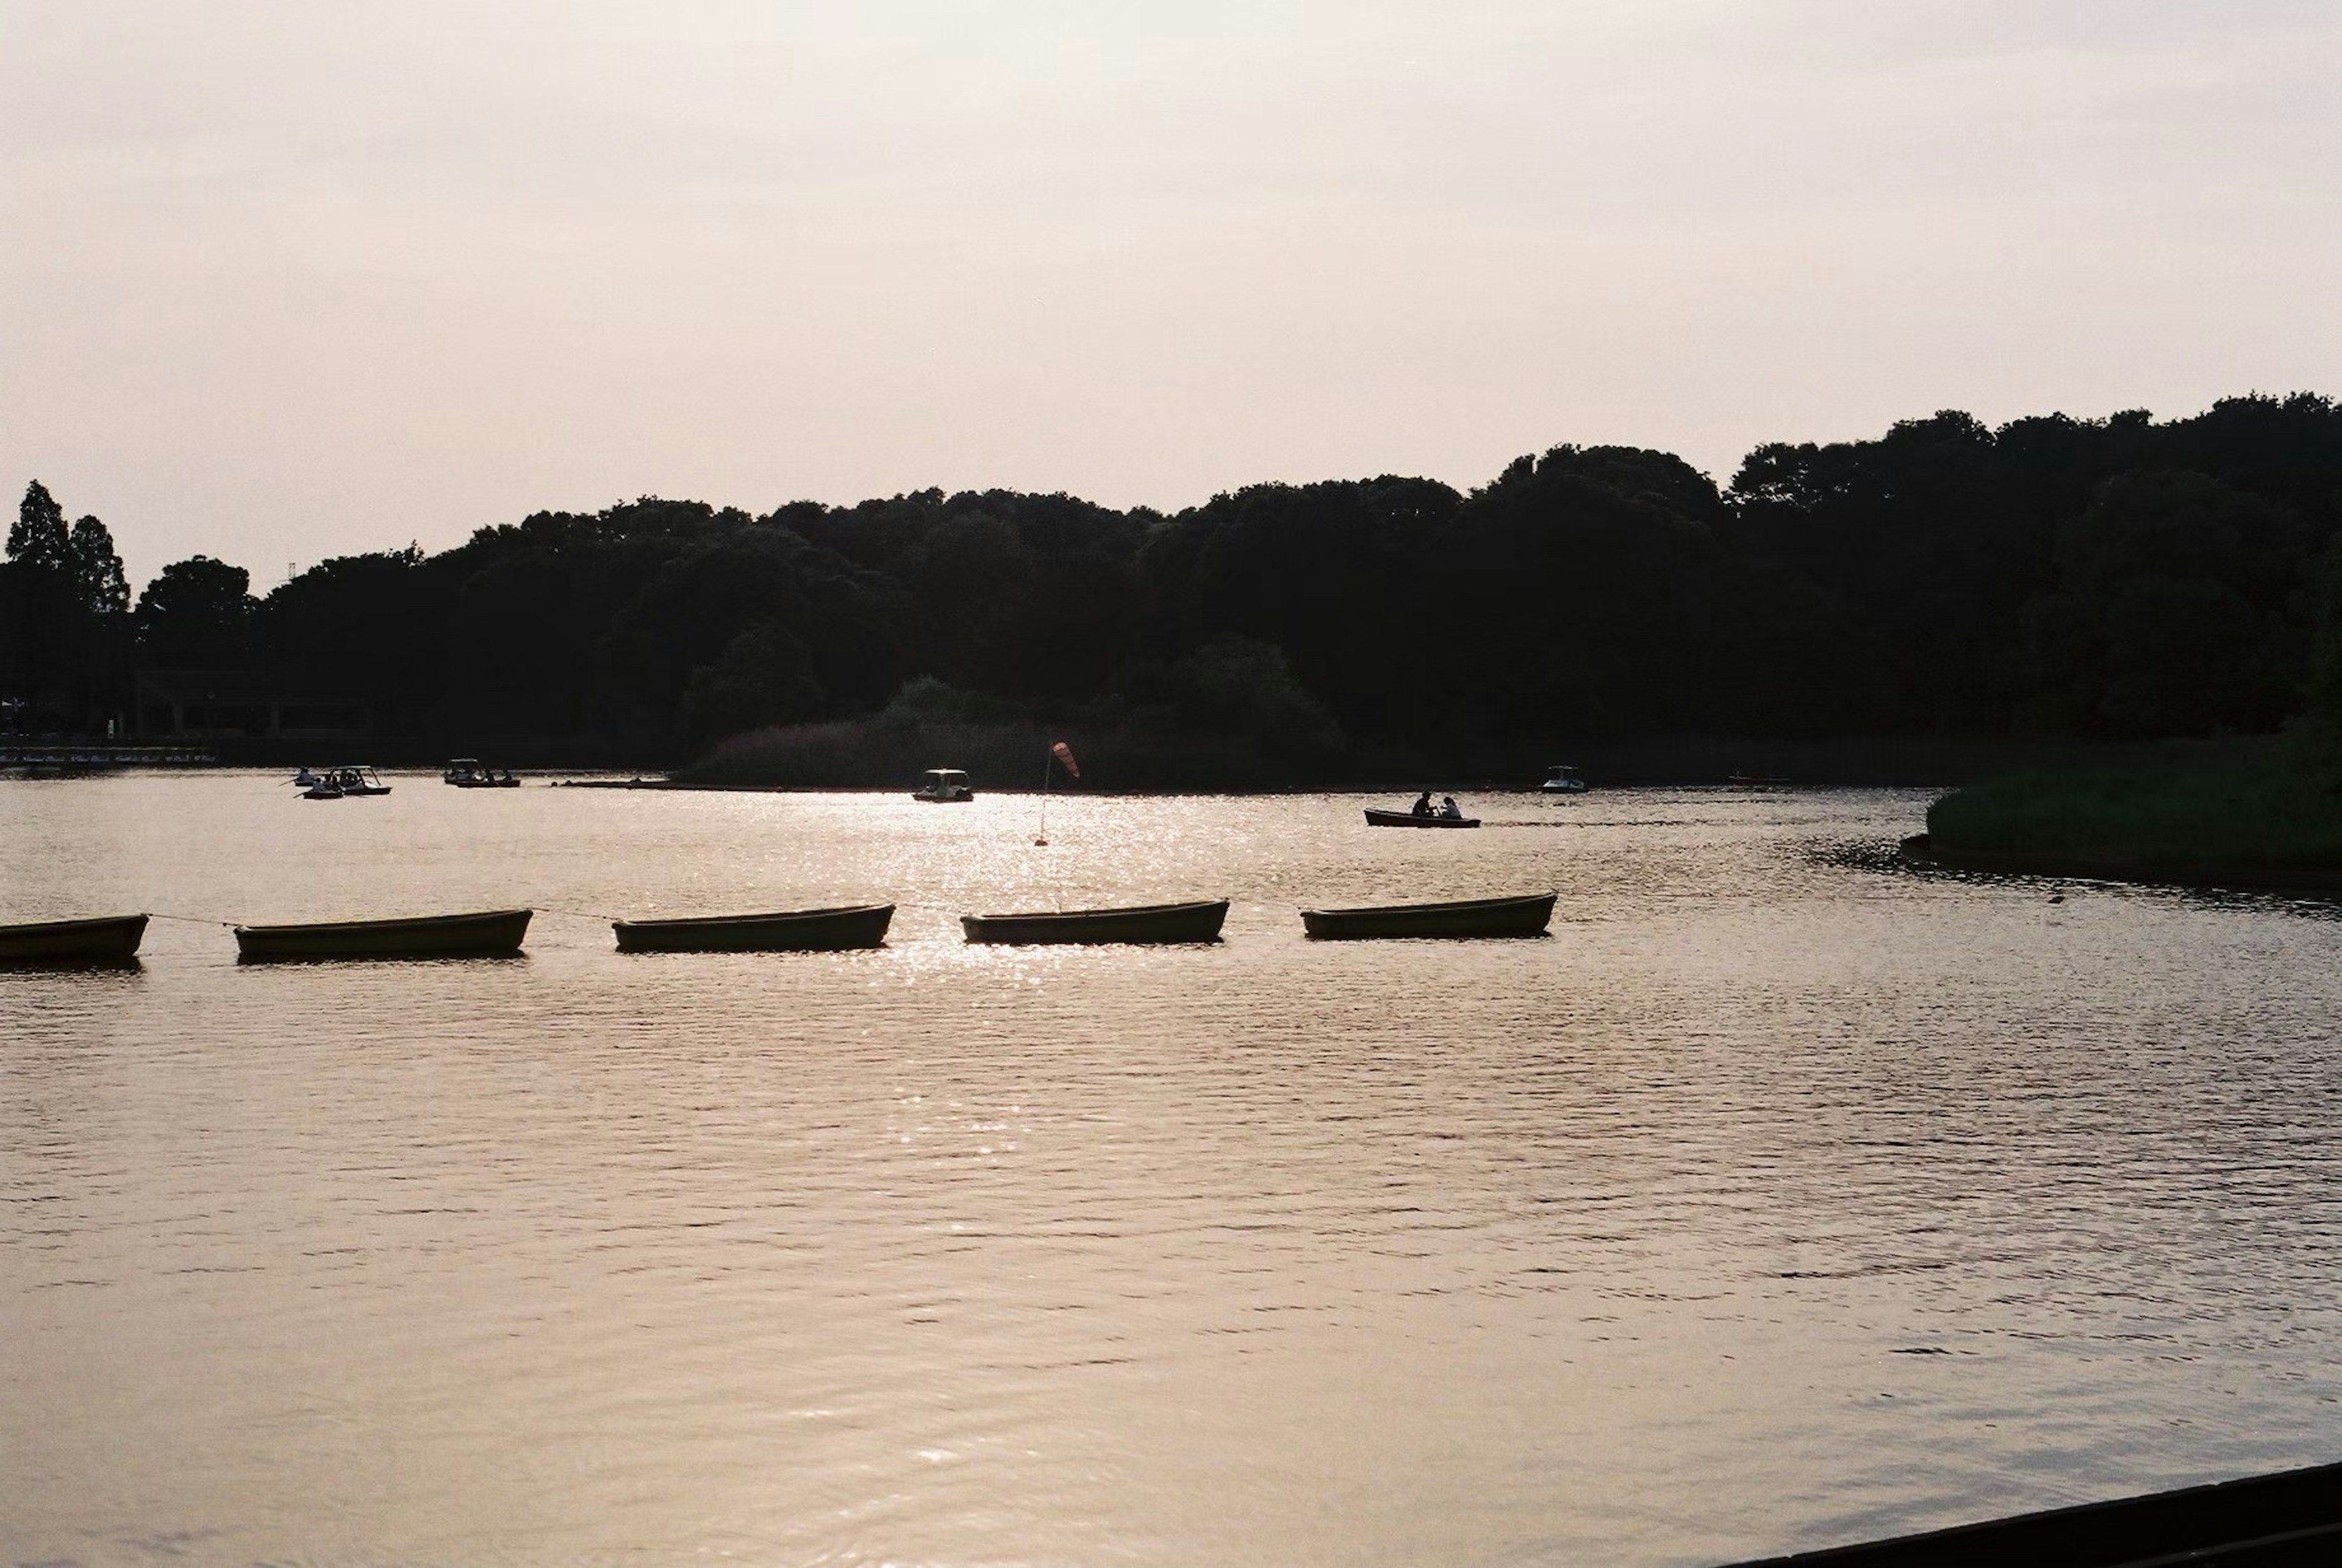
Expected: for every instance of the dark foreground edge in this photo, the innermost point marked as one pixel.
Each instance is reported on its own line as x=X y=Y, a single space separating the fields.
x=2292 y=1518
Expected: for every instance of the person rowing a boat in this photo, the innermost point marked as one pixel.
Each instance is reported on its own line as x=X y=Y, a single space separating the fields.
x=1423 y=805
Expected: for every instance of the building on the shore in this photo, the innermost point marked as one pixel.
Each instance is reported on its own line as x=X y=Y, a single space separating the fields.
x=254 y=705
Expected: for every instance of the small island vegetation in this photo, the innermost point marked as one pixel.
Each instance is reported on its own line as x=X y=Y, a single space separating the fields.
x=2250 y=812
x=2215 y=817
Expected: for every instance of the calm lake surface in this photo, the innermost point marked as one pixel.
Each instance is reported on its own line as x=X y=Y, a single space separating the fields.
x=1772 y=1202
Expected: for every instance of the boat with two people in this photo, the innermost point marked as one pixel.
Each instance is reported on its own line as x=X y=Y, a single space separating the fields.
x=1147 y=923
x=1423 y=813
x=334 y=784
x=106 y=939
x=945 y=787
x=467 y=772
x=786 y=931
x=1563 y=779
x=491 y=934
x=1525 y=916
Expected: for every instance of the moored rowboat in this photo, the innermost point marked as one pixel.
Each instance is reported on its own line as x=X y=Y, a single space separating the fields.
x=491 y=935
x=1145 y=922
x=2294 y=1516
x=106 y=939
x=792 y=931
x=1410 y=819
x=1524 y=916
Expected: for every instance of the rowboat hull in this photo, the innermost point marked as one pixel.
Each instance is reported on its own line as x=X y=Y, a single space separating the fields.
x=1408 y=819
x=494 y=934
x=1469 y=917
x=796 y=931
x=1154 y=923
x=108 y=939
x=2294 y=1516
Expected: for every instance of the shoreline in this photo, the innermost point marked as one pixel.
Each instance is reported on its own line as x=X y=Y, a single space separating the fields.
x=1921 y=850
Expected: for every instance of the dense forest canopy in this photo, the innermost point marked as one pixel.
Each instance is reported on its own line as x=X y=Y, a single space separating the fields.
x=2119 y=577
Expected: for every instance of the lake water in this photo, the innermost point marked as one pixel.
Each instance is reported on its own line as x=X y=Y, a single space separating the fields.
x=1774 y=1201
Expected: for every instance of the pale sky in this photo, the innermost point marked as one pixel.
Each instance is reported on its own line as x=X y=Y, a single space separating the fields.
x=281 y=279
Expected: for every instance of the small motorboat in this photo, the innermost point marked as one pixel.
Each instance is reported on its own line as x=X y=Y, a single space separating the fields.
x=1198 y=922
x=495 y=934
x=793 y=931
x=945 y=787
x=357 y=780
x=105 y=939
x=467 y=772
x=1560 y=779
x=1524 y=917
x=1416 y=819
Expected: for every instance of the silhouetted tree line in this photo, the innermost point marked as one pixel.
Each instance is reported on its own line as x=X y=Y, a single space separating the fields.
x=2117 y=577
x=65 y=645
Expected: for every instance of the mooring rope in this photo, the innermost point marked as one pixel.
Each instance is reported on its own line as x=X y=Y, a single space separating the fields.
x=572 y=909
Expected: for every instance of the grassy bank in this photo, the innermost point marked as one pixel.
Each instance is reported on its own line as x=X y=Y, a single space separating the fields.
x=2248 y=811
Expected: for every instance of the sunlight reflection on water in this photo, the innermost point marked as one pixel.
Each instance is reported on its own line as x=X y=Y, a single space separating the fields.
x=1772 y=1201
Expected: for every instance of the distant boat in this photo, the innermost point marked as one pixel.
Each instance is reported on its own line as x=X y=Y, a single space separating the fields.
x=1524 y=916
x=1146 y=922
x=1755 y=781
x=322 y=789
x=945 y=787
x=1563 y=780
x=359 y=780
x=105 y=939
x=465 y=772
x=495 y=934
x=795 y=931
x=1413 y=819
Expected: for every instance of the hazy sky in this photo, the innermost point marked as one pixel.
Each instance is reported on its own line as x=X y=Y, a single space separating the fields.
x=281 y=279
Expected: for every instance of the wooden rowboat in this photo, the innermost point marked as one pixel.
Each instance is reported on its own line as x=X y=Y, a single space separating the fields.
x=1409 y=819
x=1146 y=922
x=495 y=934
x=794 y=931
x=1468 y=917
x=107 y=939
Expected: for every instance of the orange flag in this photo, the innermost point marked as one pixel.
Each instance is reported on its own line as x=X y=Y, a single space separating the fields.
x=1064 y=753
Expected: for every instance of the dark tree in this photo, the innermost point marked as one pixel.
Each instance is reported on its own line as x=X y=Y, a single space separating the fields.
x=37 y=539
x=196 y=614
x=98 y=581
